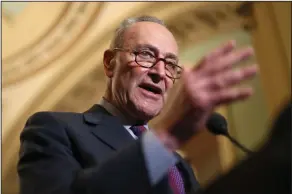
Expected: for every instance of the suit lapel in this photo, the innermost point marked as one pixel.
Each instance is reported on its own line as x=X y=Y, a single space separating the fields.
x=107 y=127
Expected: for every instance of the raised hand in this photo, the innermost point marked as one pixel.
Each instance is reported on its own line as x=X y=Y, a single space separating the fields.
x=209 y=84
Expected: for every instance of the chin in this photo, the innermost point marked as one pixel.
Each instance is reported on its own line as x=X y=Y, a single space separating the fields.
x=146 y=108
x=147 y=111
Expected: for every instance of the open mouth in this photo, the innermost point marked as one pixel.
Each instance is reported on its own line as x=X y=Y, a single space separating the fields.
x=151 y=88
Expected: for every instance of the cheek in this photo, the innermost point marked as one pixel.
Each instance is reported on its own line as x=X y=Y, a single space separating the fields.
x=120 y=81
x=168 y=84
x=126 y=79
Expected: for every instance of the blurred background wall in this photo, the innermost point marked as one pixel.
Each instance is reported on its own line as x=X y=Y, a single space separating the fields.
x=52 y=60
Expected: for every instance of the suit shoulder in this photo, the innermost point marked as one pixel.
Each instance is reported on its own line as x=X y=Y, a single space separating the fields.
x=47 y=123
x=52 y=117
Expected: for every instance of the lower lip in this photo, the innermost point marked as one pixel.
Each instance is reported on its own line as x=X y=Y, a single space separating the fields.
x=150 y=94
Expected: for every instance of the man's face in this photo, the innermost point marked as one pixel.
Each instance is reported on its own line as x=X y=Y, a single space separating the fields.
x=141 y=91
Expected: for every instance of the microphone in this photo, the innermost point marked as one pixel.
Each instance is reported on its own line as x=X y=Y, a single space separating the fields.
x=217 y=125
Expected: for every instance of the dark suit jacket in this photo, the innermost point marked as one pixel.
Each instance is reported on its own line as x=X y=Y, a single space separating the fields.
x=64 y=153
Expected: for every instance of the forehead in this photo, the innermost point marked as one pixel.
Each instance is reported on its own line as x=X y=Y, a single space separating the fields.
x=150 y=33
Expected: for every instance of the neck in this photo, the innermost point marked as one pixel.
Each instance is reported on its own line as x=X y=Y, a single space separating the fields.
x=128 y=116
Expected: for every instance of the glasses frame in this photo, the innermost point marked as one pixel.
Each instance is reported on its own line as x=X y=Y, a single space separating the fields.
x=135 y=52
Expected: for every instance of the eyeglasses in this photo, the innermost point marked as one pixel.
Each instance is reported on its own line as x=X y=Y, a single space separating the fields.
x=146 y=59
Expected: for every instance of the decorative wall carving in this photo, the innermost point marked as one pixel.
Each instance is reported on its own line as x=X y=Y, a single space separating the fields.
x=84 y=94
x=204 y=21
x=74 y=20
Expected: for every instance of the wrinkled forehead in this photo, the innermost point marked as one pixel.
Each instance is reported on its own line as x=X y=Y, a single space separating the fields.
x=150 y=34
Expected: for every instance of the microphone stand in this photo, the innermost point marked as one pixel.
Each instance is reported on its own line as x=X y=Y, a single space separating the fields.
x=234 y=141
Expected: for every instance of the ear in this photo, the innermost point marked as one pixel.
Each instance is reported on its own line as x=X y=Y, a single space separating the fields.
x=108 y=63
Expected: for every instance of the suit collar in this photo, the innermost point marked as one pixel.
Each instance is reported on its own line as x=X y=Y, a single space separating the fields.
x=107 y=127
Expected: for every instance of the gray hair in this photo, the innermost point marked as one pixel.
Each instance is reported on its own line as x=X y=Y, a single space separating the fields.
x=119 y=33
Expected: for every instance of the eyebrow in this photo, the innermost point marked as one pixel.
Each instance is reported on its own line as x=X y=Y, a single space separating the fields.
x=155 y=49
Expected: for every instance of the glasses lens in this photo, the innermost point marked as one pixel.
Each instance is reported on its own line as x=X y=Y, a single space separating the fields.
x=145 y=59
x=173 y=74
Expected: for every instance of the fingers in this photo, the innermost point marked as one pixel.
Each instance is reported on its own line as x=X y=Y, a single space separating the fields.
x=228 y=60
x=218 y=52
x=223 y=58
x=211 y=91
x=222 y=50
x=212 y=83
x=231 y=95
x=231 y=77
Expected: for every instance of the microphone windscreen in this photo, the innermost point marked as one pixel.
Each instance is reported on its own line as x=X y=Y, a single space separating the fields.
x=217 y=124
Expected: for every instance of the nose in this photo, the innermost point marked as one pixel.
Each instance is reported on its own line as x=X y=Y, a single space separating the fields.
x=157 y=72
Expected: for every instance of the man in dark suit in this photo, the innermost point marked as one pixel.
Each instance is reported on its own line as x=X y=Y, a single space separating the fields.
x=109 y=149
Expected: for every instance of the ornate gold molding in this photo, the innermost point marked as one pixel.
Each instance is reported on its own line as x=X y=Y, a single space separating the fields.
x=63 y=11
x=246 y=11
x=73 y=22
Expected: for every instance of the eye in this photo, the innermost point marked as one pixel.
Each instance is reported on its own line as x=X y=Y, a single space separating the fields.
x=171 y=64
x=145 y=54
